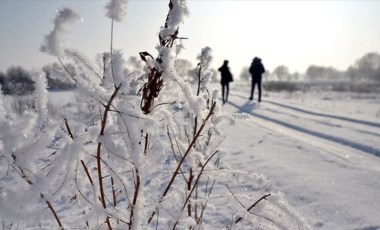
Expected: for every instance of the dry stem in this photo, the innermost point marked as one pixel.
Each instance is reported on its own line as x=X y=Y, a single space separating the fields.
x=98 y=151
x=184 y=157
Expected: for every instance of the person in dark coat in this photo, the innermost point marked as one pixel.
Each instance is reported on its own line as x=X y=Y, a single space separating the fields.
x=226 y=78
x=256 y=70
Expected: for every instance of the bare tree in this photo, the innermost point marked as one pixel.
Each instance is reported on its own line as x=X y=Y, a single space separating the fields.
x=366 y=68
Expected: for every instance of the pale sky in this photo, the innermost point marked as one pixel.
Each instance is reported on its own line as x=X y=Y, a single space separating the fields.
x=291 y=33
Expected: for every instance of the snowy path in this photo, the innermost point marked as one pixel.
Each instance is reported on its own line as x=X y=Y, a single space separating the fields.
x=326 y=163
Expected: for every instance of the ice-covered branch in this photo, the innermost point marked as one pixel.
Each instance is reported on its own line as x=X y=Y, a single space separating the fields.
x=178 y=11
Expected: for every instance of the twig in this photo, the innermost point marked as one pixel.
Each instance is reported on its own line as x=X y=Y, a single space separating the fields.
x=65 y=68
x=146 y=138
x=53 y=211
x=113 y=192
x=76 y=184
x=195 y=184
x=68 y=129
x=198 y=177
x=108 y=223
x=175 y=156
x=235 y=197
x=98 y=151
x=121 y=181
x=63 y=182
x=184 y=157
x=253 y=205
x=137 y=189
x=111 y=54
x=199 y=73
x=199 y=220
x=87 y=173
x=189 y=182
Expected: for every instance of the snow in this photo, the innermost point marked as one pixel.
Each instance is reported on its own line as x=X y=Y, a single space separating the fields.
x=298 y=161
x=322 y=154
x=116 y=9
x=53 y=43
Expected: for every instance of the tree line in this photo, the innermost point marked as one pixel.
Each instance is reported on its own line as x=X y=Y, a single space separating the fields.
x=365 y=69
x=18 y=81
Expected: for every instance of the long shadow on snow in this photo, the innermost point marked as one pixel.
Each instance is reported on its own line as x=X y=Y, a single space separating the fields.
x=323 y=123
x=325 y=115
x=248 y=108
x=368 y=228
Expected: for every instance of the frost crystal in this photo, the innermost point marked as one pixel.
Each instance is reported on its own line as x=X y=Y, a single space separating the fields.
x=178 y=12
x=205 y=57
x=53 y=43
x=116 y=9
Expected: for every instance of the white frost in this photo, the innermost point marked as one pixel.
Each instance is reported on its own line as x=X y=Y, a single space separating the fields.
x=116 y=9
x=53 y=43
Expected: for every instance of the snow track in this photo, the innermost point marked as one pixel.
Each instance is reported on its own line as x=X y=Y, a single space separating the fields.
x=316 y=134
x=326 y=163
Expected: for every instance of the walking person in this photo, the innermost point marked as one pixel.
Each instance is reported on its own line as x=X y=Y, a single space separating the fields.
x=226 y=78
x=256 y=70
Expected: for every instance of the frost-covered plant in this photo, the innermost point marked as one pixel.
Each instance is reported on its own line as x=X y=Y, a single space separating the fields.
x=53 y=43
x=149 y=158
x=116 y=10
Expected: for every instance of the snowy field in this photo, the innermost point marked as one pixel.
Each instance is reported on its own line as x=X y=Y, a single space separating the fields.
x=174 y=157
x=320 y=149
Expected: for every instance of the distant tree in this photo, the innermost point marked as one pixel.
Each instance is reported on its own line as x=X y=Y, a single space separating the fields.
x=16 y=81
x=321 y=73
x=314 y=72
x=244 y=74
x=366 y=68
x=54 y=78
x=282 y=73
x=296 y=76
x=2 y=78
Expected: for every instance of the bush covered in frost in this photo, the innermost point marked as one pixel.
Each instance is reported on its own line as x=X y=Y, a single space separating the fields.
x=149 y=157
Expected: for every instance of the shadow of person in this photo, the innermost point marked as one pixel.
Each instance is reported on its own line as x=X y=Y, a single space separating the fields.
x=247 y=107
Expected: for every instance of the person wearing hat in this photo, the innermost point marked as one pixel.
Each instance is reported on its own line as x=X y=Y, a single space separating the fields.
x=256 y=70
x=226 y=78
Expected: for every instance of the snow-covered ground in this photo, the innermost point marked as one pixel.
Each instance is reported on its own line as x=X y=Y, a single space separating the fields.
x=320 y=149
